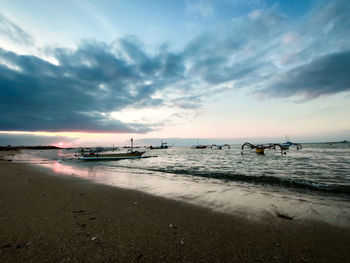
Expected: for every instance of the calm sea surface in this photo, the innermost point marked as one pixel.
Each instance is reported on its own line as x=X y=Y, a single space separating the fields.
x=310 y=183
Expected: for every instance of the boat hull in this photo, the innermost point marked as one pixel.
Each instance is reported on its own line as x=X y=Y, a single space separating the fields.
x=260 y=150
x=134 y=155
x=200 y=147
x=158 y=147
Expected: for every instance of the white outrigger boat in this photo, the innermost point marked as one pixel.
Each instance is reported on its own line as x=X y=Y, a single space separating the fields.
x=96 y=155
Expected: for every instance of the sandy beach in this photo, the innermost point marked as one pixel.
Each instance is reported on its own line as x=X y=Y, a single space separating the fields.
x=46 y=218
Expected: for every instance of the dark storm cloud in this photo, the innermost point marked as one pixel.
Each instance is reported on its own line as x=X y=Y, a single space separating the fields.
x=76 y=95
x=325 y=75
x=14 y=32
x=87 y=84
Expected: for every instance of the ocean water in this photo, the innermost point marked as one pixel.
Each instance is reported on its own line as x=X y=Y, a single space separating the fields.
x=312 y=183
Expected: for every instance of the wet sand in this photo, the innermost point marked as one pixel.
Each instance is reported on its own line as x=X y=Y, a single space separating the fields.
x=48 y=218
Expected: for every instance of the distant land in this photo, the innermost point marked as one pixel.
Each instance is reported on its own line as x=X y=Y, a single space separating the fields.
x=37 y=147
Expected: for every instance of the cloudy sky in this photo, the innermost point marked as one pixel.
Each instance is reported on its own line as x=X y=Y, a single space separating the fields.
x=84 y=72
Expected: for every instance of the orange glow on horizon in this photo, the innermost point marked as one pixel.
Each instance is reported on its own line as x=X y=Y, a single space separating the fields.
x=73 y=135
x=74 y=139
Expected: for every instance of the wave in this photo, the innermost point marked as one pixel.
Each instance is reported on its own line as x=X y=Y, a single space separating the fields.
x=263 y=180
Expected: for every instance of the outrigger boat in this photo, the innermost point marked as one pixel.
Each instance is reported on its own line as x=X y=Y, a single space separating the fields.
x=287 y=144
x=219 y=147
x=260 y=148
x=199 y=147
x=95 y=155
x=164 y=145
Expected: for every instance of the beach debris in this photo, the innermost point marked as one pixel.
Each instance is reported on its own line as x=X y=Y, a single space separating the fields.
x=92 y=218
x=20 y=245
x=8 y=245
x=79 y=212
x=136 y=203
x=182 y=242
x=284 y=216
x=139 y=256
x=173 y=226
x=93 y=238
x=81 y=225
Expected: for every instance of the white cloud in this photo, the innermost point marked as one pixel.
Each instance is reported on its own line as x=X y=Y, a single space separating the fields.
x=201 y=8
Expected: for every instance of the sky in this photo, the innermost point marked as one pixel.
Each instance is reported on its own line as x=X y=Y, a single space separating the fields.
x=76 y=73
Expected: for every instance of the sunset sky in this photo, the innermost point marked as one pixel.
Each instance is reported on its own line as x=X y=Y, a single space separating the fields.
x=82 y=72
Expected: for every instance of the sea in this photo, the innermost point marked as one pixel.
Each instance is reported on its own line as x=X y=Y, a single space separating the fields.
x=308 y=184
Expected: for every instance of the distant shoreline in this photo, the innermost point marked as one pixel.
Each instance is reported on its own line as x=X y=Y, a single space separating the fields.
x=51 y=147
x=37 y=147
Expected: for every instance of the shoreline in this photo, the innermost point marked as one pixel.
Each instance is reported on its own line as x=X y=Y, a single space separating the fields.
x=232 y=197
x=65 y=219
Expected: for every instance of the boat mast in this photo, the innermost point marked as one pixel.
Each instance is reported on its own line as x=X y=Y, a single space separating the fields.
x=287 y=138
